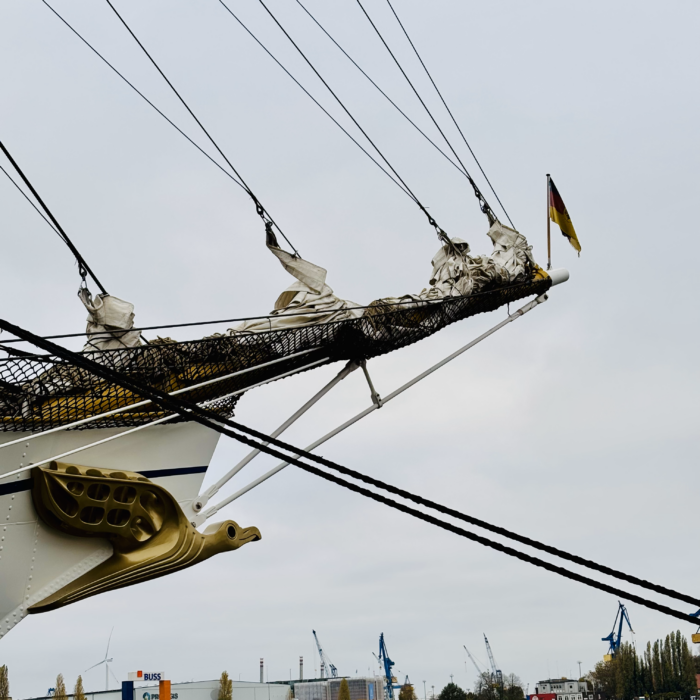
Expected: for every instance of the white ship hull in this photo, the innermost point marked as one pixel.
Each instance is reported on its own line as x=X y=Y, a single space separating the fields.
x=36 y=560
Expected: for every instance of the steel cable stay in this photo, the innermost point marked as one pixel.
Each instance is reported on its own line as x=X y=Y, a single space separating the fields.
x=442 y=236
x=484 y=205
x=261 y=211
x=138 y=92
x=449 y=111
x=398 y=109
x=234 y=430
x=320 y=106
x=83 y=268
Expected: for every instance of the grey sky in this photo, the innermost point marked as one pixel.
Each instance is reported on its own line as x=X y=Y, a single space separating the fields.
x=576 y=425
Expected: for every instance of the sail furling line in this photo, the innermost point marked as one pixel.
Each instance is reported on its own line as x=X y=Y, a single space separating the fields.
x=83 y=268
x=259 y=208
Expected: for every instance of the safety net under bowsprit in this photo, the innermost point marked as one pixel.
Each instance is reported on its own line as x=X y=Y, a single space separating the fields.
x=42 y=392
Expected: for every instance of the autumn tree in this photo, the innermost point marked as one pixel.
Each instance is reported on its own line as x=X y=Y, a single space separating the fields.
x=407 y=692
x=60 y=690
x=225 y=687
x=344 y=690
x=4 y=683
x=79 y=692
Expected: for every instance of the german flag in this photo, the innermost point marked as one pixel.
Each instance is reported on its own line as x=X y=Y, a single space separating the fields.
x=559 y=215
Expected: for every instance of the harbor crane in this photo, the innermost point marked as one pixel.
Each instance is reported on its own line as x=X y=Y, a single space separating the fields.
x=478 y=668
x=390 y=681
x=496 y=674
x=328 y=670
x=615 y=639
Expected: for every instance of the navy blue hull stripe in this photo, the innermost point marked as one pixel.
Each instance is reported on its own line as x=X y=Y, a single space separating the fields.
x=26 y=484
x=16 y=487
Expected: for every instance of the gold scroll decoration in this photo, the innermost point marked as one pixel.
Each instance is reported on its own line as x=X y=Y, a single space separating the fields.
x=146 y=527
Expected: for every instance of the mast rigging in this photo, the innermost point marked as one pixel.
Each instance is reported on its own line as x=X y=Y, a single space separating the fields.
x=484 y=205
x=442 y=236
x=268 y=221
x=140 y=94
x=449 y=111
x=83 y=268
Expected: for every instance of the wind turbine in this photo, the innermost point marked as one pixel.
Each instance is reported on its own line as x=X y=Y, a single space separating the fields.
x=104 y=661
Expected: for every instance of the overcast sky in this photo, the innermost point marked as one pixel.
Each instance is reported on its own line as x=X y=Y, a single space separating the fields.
x=577 y=425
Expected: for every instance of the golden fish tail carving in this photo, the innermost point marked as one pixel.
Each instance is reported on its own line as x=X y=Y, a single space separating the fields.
x=149 y=533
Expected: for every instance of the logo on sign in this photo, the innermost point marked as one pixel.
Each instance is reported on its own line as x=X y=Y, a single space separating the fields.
x=146 y=676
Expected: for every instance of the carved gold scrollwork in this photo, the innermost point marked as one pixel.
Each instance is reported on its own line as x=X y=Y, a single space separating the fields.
x=148 y=531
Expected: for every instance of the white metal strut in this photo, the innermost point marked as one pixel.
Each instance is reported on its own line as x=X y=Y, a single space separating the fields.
x=203 y=516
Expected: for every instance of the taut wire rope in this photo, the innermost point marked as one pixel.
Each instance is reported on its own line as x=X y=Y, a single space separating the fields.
x=449 y=111
x=83 y=268
x=138 y=92
x=484 y=205
x=211 y=420
x=26 y=196
x=262 y=212
x=438 y=230
x=398 y=109
x=325 y=111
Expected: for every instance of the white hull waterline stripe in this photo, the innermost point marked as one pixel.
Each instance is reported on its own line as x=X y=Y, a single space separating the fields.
x=202 y=517
x=157 y=422
x=130 y=407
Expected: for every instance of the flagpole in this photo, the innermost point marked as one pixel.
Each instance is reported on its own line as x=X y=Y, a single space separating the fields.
x=549 y=238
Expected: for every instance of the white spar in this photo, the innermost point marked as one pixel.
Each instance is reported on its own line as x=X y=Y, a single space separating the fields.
x=205 y=515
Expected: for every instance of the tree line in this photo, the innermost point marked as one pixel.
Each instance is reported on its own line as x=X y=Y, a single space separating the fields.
x=665 y=670
x=59 y=690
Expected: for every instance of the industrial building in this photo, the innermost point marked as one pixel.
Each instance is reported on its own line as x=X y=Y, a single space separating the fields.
x=360 y=689
x=563 y=689
x=197 y=690
x=313 y=689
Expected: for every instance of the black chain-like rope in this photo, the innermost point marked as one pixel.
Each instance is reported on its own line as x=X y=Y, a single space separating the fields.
x=200 y=415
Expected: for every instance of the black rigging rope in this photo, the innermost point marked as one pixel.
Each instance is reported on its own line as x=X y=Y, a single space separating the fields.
x=326 y=112
x=439 y=231
x=36 y=209
x=138 y=92
x=398 y=109
x=211 y=420
x=484 y=205
x=83 y=268
x=262 y=212
x=449 y=111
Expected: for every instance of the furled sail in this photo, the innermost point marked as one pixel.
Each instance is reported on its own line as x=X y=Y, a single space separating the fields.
x=306 y=302
x=310 y=301
x=109 y=322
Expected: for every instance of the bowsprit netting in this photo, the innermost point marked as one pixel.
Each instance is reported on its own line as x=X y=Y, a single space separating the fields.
x=38 y=393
